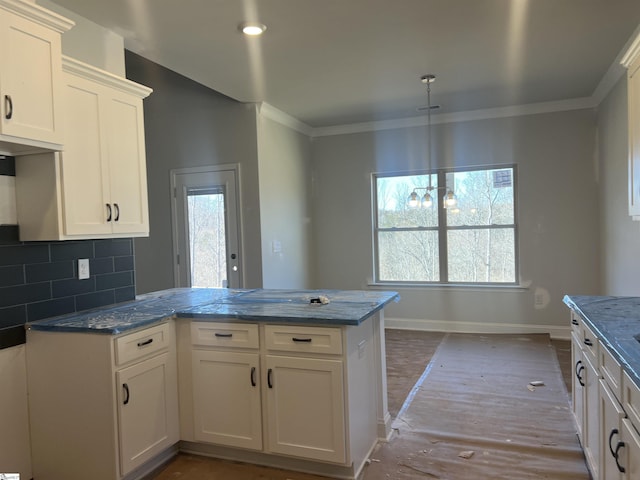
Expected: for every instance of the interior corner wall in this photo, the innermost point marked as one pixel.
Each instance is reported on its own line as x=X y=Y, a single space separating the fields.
x=284 y=157
x=557 y=217
x=620 y=234
x=190 y=125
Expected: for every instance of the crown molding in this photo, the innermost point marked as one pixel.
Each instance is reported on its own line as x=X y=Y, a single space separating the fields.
x=272 y=113
x=485 y=114
x=632 y=49
x=81 y=69
x=39 y=14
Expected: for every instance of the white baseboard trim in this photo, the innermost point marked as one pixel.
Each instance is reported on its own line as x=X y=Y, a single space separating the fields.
x=563 y=333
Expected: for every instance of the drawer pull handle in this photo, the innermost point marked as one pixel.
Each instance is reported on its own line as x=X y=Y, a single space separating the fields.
x=613 y=432
x=253 y=376
x=620 y=445
x=588 y=342
x=301 y=340
x=8 y=102
x=574 y=321
x=270 y=378
x=224 y=335
x=126 y=391
x=146 y=342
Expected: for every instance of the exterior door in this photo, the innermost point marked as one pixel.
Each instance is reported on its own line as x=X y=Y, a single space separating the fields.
x=206 y=227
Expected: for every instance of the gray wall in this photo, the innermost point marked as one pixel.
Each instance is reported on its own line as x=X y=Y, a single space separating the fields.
x=620 y=234
x=285 y=205
x=189 y=125
x=557 y=207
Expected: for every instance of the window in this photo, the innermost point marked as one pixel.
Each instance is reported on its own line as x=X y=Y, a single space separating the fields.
x=473 y=242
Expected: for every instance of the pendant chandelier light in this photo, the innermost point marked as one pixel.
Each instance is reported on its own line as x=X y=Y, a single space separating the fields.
x=449 y=200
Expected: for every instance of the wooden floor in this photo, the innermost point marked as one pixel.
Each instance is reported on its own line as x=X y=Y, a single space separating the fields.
x=408 y=353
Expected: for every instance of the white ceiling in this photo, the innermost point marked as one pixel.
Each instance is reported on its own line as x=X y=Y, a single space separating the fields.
x=335 y=62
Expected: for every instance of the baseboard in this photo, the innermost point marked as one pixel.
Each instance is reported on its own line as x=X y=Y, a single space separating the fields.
x=270 y=460
x=563 y=333
x=150 y=469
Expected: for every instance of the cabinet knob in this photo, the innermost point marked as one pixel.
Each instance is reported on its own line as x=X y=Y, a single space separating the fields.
x=8 y=104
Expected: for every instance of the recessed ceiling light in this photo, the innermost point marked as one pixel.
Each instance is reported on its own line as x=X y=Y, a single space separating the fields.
x=252 y=28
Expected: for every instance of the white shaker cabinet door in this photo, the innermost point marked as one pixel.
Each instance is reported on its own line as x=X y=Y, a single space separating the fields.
x=147 y=410
x=227 y=407
x=305 y=404
x=84 y=162
x=30 y=79
x=127 y=162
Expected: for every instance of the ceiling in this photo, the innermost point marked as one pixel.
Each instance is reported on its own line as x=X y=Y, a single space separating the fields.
x=337 y=62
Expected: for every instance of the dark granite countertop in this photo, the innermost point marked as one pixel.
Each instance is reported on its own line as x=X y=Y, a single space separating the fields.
x=345 y=307
x=616 y=321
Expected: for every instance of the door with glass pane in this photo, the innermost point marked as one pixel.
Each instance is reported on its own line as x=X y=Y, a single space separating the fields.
x=206 y=234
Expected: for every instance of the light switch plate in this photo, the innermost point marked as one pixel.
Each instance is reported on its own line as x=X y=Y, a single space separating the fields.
x=83 y=268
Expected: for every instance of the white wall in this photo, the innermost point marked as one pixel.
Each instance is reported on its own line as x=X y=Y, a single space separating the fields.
x=557 y=209
x=89 y=42
x=284 y=157
x=620 y=234
x=15 y=451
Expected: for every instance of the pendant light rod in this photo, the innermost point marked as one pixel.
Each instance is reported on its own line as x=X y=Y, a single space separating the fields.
x=428 y=79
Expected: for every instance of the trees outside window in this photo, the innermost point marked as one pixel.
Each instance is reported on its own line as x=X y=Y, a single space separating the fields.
x=473 y=242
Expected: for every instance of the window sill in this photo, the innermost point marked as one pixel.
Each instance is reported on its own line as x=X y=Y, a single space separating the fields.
x=448 y=286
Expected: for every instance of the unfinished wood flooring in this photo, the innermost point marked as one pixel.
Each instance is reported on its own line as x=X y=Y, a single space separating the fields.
x=408 y=353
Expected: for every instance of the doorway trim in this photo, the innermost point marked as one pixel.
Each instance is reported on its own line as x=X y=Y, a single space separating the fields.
x=227 y=167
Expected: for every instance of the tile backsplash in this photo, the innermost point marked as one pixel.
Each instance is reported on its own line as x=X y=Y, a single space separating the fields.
x=40 y=279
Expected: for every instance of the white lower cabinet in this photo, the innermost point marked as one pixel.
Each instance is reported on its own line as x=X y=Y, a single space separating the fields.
x=101 y=407
x=611 y=415
x=279 y=394
x=630 y=454
x=305 y=407
x=146 y=398
x=226 y=396
x=606 y=406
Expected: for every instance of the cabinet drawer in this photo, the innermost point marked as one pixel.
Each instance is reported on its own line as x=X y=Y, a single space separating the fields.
x=589 y=343
x=611 y=371
x=231 y=335
x=327 y=340
x=142 y=343
x=631 y=400
x=576 y=323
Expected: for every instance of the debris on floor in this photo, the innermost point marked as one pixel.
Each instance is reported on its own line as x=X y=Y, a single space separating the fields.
x=466 y=454
x=536 y=383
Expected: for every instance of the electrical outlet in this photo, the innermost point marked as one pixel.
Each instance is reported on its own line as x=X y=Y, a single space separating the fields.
x=83 y=268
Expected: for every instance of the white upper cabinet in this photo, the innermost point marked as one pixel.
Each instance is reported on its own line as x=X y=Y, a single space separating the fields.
x=96 y=187
x=30 y=77
x=631 y=60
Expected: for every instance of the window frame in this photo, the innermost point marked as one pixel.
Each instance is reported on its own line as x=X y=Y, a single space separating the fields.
x=442 y=228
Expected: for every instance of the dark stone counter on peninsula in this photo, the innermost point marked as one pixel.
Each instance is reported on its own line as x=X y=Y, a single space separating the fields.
x=344 y=307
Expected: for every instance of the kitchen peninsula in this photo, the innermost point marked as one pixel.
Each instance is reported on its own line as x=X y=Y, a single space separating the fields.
x=605 y=349
x=287 y=378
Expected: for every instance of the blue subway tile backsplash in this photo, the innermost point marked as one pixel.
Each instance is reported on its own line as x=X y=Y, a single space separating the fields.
x=40 y=279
